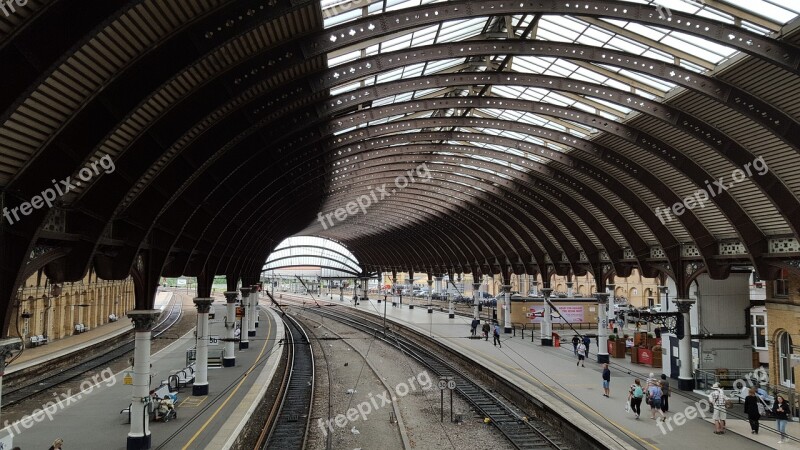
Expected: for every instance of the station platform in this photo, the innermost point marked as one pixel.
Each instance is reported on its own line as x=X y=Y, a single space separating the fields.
x=552 y=373
x=91 y=418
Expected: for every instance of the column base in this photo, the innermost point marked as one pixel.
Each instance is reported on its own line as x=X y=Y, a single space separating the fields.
x=410 y=306
x=451 y=316
x=686 y=385
x=244 y=345
x=602 y=359
x=229 y=362
x=251 y=333
x=139 y=442
x=199 y=389
x=394 y=304
x=507 y=330
x=379 y=301
x=364 y=298
x=430 y=310
x=547 y=342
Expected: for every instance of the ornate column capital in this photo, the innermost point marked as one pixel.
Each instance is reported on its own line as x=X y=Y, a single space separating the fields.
x=430 y=282
x=231 y=296
x=144 y=319
x=506 y=288
x=570 y=284
x=684 y=305
x=602 y=297
x=245 y=292
x=203 y=304
x=476 y=286
x=546 y=292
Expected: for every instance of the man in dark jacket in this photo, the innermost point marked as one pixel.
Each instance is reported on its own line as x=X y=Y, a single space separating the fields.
x=587 y=341
x=575 y=341
x=486 y=329
x=474 y=326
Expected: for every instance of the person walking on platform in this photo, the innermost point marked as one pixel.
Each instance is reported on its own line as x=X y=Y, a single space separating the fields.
x=587 y=341
x=575 y=341
x=654 y=394
x=581 y=354
x=474 y=326
x=57 y=444
x=606 y=380
x=664 y=393
x=752 y=410
x=781 y=411
x=485 y=330
x=635 y=396
x=718 y=399
x=497 y=335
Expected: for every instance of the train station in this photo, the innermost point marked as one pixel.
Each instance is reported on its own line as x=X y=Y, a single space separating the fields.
x=399 y=224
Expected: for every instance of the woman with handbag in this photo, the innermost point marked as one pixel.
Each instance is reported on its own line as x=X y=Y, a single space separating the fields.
x=751 y=408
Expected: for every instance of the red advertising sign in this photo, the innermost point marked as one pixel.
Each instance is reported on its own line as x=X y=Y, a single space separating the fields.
x=645 y=356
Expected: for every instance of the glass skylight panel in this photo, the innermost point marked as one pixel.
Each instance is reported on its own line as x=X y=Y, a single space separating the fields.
x=778 y=11
x=436 y=66
x=621 y=108
x=626 y=45
x=341 y=18
x=586 y=40
x=345 y=88
x=645 y=79
x=347 y=57
x=590 y=75
x=547 y=35
x=693 y=44
x=460 y=30
x=397 y=43
x=646 y=31
x=393 y=5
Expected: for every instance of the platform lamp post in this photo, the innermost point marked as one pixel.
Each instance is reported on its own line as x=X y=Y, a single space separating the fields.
x=547 y=319
x=476 y=292
x=507 y=313
x=430 y=299
x=602 y=327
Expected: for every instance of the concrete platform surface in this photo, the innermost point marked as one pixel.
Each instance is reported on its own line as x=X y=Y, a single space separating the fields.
x=92 y=420
x=553 y=370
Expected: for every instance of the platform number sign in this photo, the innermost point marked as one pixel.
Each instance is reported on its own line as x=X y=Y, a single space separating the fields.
x=213 y=340
x=442 y=384
x=451 y=384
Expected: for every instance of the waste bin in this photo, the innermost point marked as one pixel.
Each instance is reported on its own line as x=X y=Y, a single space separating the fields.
x=556 y=340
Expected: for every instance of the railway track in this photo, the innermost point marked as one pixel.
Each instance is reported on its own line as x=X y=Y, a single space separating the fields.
x=18 y=394
x=288 y=422
x=524 y=433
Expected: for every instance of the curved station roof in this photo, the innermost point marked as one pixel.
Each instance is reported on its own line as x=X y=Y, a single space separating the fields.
x=190 y=137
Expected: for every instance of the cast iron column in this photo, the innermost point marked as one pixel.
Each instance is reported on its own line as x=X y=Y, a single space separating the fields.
x=139 y=434
x=229 y=359
x=253 y=309
x=602 y=327
x=570 y=290
x=244 y=342
x=547 y=317
x=507 y=314
x=200 y=385
x=476 y=292
x=685 y=378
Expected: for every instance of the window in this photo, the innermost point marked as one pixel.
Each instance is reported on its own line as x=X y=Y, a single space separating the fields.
x=784 y=359
x=782 y=285
x=758 y=321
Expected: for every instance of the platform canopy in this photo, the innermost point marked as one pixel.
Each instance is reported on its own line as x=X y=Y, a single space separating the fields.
x=188 y=137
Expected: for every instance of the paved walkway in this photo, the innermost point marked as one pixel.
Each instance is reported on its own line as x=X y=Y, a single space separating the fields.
x=554 y=371
x=91 y=419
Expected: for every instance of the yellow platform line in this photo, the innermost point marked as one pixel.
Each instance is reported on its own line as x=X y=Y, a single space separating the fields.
x=246 y=374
